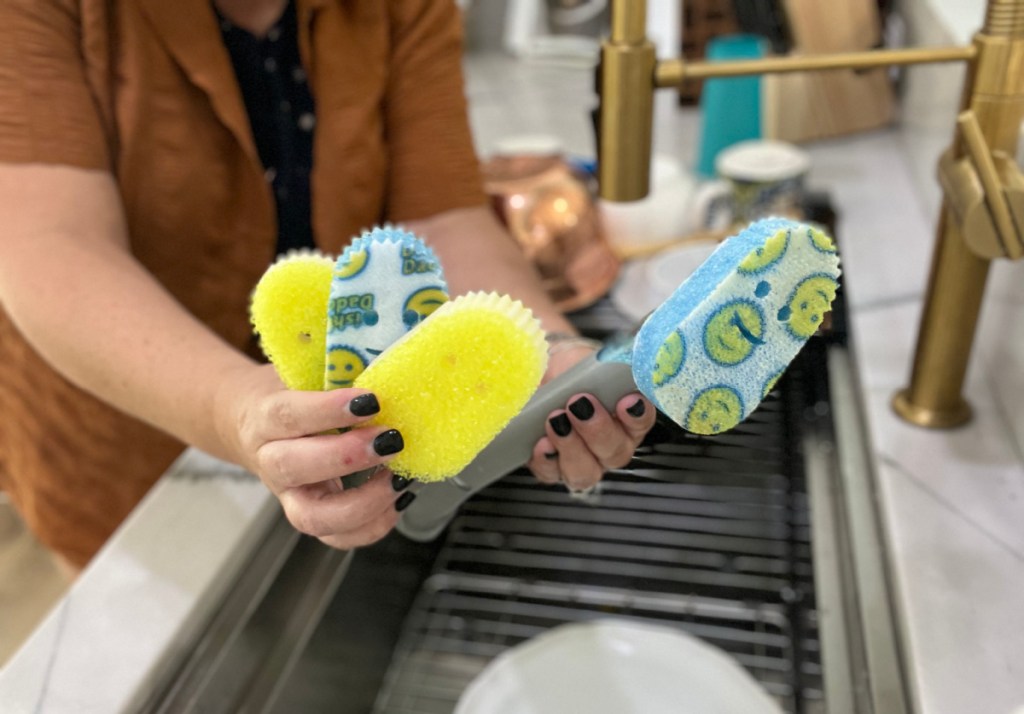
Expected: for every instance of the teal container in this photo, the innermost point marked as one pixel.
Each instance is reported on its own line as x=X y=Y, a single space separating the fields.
x=730 y=108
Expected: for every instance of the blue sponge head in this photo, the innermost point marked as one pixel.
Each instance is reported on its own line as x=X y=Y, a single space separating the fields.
x=385 y=283
x=716 y=347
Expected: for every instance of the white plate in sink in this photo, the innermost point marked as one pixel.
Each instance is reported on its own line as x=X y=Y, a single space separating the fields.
x=644 y=284
x=615 y=666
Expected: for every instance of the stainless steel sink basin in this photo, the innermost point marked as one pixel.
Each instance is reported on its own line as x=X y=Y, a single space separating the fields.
x=763 y=541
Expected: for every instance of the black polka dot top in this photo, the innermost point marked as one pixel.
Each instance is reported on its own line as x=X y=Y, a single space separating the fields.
x=282 y=115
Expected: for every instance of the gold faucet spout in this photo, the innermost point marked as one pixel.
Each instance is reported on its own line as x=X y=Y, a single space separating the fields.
x=673 y=72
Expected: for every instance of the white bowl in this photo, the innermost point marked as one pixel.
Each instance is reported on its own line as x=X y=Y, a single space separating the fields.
x=663 y=215
x=613 y=666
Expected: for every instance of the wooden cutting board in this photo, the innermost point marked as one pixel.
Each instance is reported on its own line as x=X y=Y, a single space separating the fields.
x=804 y=106
x=833 y=26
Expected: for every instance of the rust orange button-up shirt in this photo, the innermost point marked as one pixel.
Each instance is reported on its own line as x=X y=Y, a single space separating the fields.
x=145 y=89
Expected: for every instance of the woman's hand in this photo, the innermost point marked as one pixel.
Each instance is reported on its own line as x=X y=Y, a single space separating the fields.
x=584 y=440
x=479 y=254
x=290 y=439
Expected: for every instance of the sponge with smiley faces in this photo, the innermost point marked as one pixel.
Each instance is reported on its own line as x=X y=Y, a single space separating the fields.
x=711 y=352
x=321 y=322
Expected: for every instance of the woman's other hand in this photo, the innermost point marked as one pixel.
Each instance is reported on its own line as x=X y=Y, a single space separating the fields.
x=584 y=440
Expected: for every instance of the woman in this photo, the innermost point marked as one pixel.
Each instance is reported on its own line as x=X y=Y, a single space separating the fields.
x=154 y=157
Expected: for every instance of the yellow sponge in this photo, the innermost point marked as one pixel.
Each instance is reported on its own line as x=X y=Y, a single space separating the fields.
x=288 y=311
x=454 y=382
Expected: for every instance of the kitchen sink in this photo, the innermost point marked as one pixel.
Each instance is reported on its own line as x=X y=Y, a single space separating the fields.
x=763 y=541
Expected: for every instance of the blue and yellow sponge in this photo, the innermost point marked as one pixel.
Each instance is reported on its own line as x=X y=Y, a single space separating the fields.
x=385 y=283
x=711 y=352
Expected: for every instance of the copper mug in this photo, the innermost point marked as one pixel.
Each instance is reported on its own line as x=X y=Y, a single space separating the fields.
x=550 y=211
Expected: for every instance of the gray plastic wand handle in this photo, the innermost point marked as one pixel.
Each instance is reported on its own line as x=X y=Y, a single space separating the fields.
x=436 y=503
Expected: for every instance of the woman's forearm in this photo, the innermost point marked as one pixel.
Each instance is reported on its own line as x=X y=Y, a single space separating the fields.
x=72 y=288
x=478 y=254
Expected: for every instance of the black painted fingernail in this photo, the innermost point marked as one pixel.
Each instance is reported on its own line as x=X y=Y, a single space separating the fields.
x=637 y=409
x=364 y=405
x=582 y=408
x=399 y=483
x=560 y=424
x=404 y=500
x=388 y=442
x=551 y=455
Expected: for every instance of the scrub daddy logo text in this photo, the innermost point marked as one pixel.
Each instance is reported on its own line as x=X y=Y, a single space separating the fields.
x=351 y=311
x=413 y=262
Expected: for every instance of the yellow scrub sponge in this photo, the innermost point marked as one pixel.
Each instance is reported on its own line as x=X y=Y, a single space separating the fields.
x=454 y=382
x=288 y=312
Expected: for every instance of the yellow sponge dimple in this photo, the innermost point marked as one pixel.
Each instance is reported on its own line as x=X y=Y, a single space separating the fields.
x=289 y=313
x=454 y=382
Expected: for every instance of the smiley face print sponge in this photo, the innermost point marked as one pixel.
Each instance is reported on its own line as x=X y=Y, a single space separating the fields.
x=384 y=284
x=320 y=321
x=711 y=352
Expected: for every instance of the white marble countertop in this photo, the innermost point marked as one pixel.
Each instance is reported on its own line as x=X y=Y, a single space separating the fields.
x=952 y=502
x=142 y=599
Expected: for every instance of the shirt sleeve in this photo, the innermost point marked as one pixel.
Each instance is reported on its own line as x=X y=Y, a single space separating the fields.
x=433 y=166
x=48 y=114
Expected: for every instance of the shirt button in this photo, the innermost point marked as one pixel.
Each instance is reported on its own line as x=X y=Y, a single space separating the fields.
x=274 y=34
x=298 y=75
x=270 y=64
x=270 y=174
x=307 y=121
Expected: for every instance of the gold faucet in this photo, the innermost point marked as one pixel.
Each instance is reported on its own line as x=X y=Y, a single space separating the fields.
x=982 y=212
